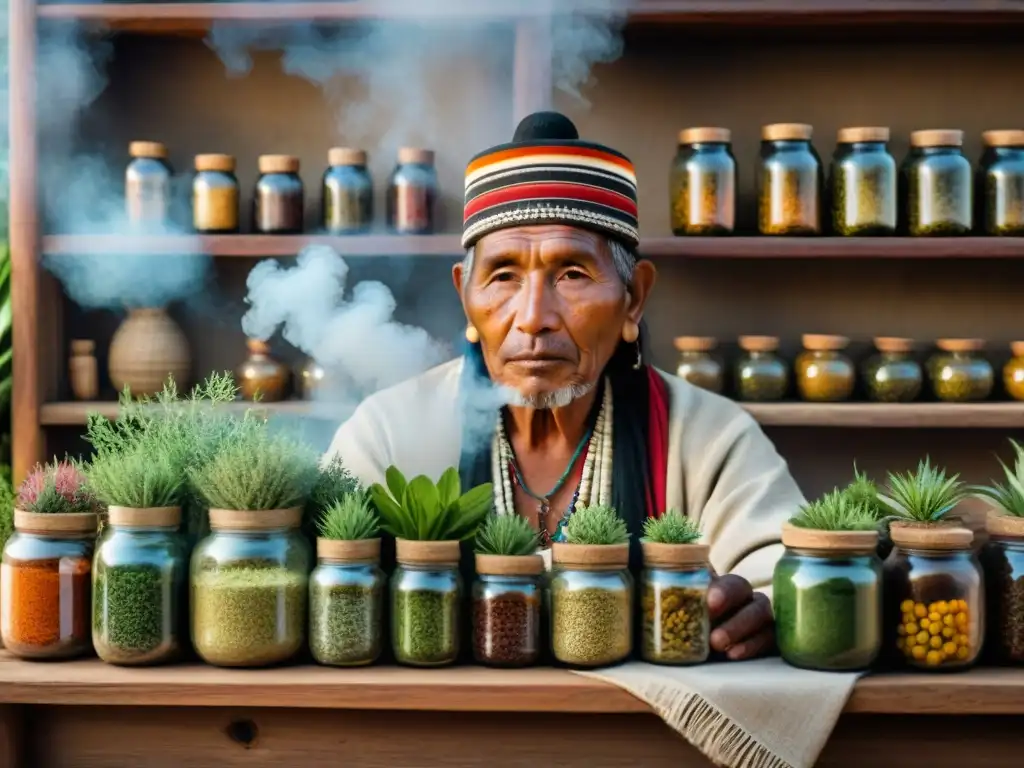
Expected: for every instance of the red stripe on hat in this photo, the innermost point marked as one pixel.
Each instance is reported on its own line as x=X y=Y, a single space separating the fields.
x=550 y=191
x=568 y=151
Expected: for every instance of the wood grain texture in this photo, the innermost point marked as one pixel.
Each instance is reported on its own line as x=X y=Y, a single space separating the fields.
x=833 y=247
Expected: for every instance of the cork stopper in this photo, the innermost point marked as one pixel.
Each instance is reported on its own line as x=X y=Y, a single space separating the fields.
x=705 y=136
x=278 y=164
x=257 y=346
x=960 y=345
x=509 y=565
x=893 y=344
x=590 y=557
x=144 y=517
x=1004 y=526
x=933 y=536
x=661 y=555
x=759 y=343
x=1004 y=138
x=828 y=541
x=346 y=156
x=818 y=342
x=354 y=551
x=415 y=155
x=1017 y=348
x=82 y=346
x=223 y=163
x=695 y=343
x=937 y=137
x=787 y=132
x=56 y=524
x=152 y=149
x=409 y=552
x=254 y=520
x=855 y=135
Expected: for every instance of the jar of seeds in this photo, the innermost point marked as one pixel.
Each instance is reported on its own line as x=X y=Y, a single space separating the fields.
x=761 y=376
x=1013 y=371
x=702 y=183
x=862 y=184
x=673 y=603
x=789 y=181
x=933 y=587
x=696 y=364
x=506 y=610
x=1004 y=585
x=426 y=590
x=591 y=604
x=937 y=188
x=958 y=371
x=1000 y=188
x=893 y=375
x=823 y=373
x=250 y=584
x=215 y=195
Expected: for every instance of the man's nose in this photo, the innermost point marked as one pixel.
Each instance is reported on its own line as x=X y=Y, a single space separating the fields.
x=536 y=306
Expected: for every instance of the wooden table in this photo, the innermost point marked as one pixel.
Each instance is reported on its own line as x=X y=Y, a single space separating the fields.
x=87 y=714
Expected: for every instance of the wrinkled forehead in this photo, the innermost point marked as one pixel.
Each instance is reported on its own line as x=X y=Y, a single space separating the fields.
x=546 y=242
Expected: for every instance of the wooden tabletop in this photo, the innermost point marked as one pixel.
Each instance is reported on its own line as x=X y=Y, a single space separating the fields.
x=457 y=689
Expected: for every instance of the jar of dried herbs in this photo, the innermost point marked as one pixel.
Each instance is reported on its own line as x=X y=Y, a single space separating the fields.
x=702 y=183
x=958 y=371
x=45 y=578
x=1000 y=183
x=250 y=582
x=412 y=193
x=591 y=604
x=506 y=610
x=933 y=588
x=823 y=373
x=1013 y=371
x=789 y=181
x=346 y=602
x=426 y=592
x=347 y=192
x=673 y=603
x=279 y=199
x=827 y=596
x=140 y=587
x=761 y=376
x=937 y=188
x=862 y=183
x=696 y=363
x=215 y=195
x=147 y=185
x=1004 y=586
x=893 y=375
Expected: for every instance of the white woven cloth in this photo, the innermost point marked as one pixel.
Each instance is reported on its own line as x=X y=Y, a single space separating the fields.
x=748 y=714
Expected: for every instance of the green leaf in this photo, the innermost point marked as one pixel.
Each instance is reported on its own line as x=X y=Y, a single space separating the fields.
x=393 y=518
x=421 y=502
x=448 y=487
x=396 y=482
x=476 y=498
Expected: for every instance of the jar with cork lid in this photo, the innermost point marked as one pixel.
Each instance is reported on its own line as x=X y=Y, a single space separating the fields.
x=761 y=376
x=83 y=370
x=412 y=193
x=260 y=376
x=147 y=183
x=959 y=372
x=789 y=181
x=1013 y=371
x=696 y=363
x=215 y=195
x=893 y=375
x=936 y=185
x=862 y=184
x=824 y=374
x=999 y=189
x=702 y=183
x=347 y=203
x=278 y=202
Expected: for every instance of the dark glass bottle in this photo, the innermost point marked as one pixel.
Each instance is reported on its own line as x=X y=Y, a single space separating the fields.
x=215 y=194
x=789 y=181
x=147 y=183
x=702 y=183
x=347 y=192
x=999 y=191
x=278 y=203
x=936 y=185
x=862 y=183
x=412 y=193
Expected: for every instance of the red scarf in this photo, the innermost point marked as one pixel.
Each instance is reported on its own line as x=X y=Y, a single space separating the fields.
x=657 y=447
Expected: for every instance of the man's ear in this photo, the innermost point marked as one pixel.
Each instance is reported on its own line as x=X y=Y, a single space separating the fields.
x=645 y=274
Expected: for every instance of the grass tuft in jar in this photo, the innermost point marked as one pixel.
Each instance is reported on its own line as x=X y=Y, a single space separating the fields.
x=893 y=376
x=823 y=373
x=696 y=363
x=789 y=181
x=863 y=183
x=761 y=376
x=702 y=183
x=936 y=183
x=958 y=371
x=1000 y=183
x=1013 y=371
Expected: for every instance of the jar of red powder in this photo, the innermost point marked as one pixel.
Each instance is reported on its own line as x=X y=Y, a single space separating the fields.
x=506 y=610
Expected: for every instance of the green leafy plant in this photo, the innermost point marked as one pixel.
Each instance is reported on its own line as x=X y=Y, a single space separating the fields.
x=58 y=487
x=863 y=490
x=333 y=483
x=1008 y=496
x=506 y=535
x=671 y=528
x=420 y=510
x=836 y=511
x=924 y=496
x=143 y=476
x=350 y=518
x=6 y=512
x=596 y=525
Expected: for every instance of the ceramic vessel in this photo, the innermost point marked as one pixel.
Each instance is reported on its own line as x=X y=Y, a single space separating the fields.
x=260 y=376
x=146 y=349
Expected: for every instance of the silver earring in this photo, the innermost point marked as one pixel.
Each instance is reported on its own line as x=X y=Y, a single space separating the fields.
x=639 y=358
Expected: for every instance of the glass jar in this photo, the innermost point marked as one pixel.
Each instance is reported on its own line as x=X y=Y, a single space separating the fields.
x=346 y=603
x=591 y=604
x=674 y=603
x=347 y=192
x=260 y=376
x=147 y=184
x=862 y=185
x=827 y=597
x=937 y=187
x=1013 y=371
x=426 y=590
x=250 y=583
x=958 y=371
x=761 y=376
x=139 y=586
x=696 y=364
x=1003 y=560
x=312 y=378
x=412 y=193
x=823 y=373
x=702 y=183
x=279 y=199
x=215 y=195
x=1000 y=183
x=789 y=181
x=45 y=578
x=893 y=376
x=933 y=586
x=506 y=610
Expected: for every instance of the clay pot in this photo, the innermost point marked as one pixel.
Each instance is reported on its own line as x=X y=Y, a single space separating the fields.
x=146 y=349
x=260 y=376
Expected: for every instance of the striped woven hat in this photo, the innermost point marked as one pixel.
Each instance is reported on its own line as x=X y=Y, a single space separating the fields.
x=546 y=175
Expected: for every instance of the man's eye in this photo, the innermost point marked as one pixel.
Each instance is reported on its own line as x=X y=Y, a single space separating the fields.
x=574 y=274
x=503 y=277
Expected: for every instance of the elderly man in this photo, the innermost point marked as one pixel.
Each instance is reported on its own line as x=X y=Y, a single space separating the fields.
x=554 y=295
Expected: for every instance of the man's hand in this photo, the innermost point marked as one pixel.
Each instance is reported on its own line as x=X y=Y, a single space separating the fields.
x=742 y=621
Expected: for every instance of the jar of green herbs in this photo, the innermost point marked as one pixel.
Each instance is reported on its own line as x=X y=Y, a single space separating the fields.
x=1003 y=565
x=789 y=181
x=761 y=375
x=959 y=372
x=1000 y=183
x=696 y=363
x=824 y=374
x=702 y=183
x=937 y=188
x=893 y=375
x=426 y=597
x=1013 y=371
x=862 y=183
x=140 y=586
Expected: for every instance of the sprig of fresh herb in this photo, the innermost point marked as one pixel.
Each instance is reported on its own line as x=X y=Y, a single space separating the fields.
x=925 y=496
x=863 y=490
x=506 y=535
x=351 y=518
x=421 y=510
x=596 y=525
x=836 y=511
x=671 y=528
x=1008 y=496
x=138 y=477
x=58 y=487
